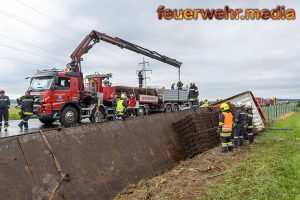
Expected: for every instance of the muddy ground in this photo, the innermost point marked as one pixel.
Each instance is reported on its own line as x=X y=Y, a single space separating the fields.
x=189 y=179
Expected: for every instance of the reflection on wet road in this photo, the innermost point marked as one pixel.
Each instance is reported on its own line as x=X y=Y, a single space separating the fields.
x=34 y=126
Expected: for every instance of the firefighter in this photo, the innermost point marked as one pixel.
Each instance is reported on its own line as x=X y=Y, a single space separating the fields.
x=26 y=102
x=131 y=105
x=114 y=102
x=206 y=102
x=225 y=127
x=121 y=106
x=249 y=126
x=193 y=95
x=240 y=123
x=4 y=106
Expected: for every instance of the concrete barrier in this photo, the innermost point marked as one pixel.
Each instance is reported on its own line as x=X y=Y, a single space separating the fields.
x=101 y=159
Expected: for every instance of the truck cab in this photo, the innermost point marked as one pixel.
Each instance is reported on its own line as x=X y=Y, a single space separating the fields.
x=58 y=95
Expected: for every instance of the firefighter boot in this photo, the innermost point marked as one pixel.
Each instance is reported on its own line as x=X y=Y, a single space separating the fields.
x=235 y=141
x=21 y=125
x=230 y=147
x=241 y=140
x=250 y=138
x=26 y=126
x=5 y=127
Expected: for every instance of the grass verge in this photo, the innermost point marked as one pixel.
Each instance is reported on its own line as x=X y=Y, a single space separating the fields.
x=14 y=113
x=271 y=171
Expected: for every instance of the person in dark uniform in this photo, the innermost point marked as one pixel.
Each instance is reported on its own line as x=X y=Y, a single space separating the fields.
x=193 y=95
x=240 y=123
x=4 y=106
x=249 y=126
x=26 y=102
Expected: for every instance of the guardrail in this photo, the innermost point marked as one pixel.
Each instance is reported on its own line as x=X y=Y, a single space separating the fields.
x=276 y=111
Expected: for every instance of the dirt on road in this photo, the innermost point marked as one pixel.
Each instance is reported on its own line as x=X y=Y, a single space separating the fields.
x=189 y=179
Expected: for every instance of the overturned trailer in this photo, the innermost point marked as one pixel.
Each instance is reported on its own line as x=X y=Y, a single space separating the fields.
x=259 y=119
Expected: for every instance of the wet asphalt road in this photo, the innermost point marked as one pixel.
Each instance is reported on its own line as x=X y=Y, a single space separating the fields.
x=34 y=126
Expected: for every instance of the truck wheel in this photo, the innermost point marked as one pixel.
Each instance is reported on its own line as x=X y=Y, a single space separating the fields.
x=47 y=121
x=168 y=108
x=175 y=108
x=69 y=116
x=101 y=118
x=141 y=112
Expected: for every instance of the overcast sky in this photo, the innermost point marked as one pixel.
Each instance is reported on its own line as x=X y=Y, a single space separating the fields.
x=222 y=57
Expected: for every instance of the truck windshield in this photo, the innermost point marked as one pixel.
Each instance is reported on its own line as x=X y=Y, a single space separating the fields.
x=41 y=83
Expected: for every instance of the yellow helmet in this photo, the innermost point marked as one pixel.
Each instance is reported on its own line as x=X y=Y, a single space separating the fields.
x=123 y=96
x=224 y=107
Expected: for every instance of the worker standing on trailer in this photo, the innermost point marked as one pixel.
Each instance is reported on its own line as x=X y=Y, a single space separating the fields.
x=193 y=95
x=225 y=127
x=26 y=102
x=121 y=106
x=131 y=105
x=4 y=107
x=249 y=126
x=240 y=123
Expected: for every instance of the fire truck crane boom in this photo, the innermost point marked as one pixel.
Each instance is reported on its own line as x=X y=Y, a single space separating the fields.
x=96 y=36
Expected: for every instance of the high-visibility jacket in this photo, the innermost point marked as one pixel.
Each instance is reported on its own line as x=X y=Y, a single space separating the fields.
x=26 y=103
x=206 y=102
x=121 y=105
x=225 y=122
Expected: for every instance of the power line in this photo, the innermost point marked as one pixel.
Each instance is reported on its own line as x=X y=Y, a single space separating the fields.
x=32 y=53
x=35 y=26
x=7 y=37
x=22 y=61
x=48 y=17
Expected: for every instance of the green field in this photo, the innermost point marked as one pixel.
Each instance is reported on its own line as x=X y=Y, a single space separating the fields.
x=14 y=113
x=271 y=171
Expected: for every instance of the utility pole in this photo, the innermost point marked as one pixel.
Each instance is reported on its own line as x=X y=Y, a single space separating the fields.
x=142 y=73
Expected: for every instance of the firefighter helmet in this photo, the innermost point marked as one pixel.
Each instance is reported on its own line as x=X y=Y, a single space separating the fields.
x=123 y=96
x=248 y=105
x=224 y=107
x=239 y=104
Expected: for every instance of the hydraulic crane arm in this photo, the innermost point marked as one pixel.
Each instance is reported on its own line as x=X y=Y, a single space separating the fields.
x=95 y=37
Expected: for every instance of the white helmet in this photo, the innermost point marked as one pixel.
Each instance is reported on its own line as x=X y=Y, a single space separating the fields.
x=239 y=104
x=248 y=105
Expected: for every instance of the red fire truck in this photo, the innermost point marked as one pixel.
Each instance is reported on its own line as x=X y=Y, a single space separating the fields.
x=67 y=96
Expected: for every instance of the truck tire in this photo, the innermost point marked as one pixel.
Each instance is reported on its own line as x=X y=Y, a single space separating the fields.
x=141 y=111
x=47 y=121
x=168 y=108
x=175 y=108
x=92 y=117
x=69 y=116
